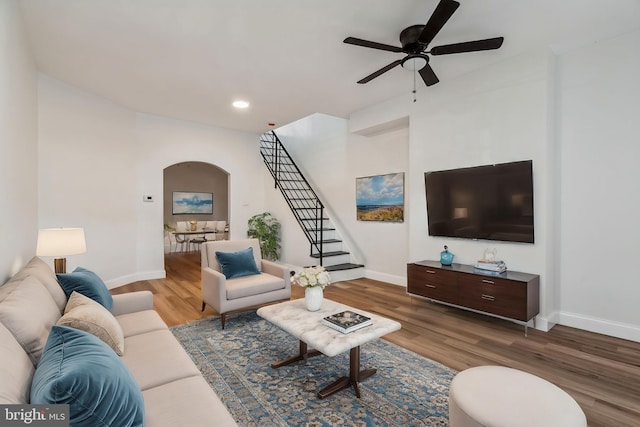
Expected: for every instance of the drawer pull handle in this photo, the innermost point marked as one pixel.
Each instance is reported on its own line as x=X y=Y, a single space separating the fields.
x=428 y=285
x=491 y=282
x=430 y=271
x=488 y=297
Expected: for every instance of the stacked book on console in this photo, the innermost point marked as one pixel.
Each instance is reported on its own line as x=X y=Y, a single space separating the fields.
x=347 y=321
x=495 y=266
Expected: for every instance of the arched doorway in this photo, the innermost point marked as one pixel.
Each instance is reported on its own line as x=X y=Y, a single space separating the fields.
x=196 y=177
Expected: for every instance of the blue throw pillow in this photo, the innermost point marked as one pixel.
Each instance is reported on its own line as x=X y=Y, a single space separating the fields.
x=80 y=370
x=88 y=284
x=237 y=264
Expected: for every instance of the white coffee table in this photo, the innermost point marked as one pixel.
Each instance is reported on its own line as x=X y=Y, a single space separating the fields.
x=306 y=326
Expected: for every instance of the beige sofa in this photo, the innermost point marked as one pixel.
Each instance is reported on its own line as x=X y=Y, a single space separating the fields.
x=173 y=389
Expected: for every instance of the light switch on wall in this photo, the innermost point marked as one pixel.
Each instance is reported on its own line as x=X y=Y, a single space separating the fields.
x=147 y=198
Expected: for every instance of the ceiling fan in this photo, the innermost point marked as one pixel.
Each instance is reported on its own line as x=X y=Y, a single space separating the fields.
x=416 y=39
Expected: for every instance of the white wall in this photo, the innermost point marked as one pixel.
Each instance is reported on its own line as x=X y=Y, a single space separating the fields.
x=331 y=159
x=385 y=245
x=87 y=175
x=497 y=114
x=162 y=142
x=599 y=128
x=18 y=144
x=97 y=160
x=575 y=114
x=317 y=145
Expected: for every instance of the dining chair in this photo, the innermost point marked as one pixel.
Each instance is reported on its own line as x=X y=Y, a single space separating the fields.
x=197 y=241
x=183 y=240
x=171 y=238
x=220 y=227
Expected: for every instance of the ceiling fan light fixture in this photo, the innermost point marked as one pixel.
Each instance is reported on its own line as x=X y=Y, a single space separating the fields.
x=415 y=42
x=414 y=62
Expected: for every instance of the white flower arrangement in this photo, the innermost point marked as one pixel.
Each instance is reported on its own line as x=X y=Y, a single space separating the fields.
x=311 y=277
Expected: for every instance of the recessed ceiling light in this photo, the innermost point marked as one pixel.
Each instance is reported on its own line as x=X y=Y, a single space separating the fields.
x=240 y=104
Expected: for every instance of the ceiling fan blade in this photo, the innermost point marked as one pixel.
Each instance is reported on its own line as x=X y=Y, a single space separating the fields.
x=440 y=16
x=428 y=75
x=474 y=46
x=380 y=71
x=372 y=45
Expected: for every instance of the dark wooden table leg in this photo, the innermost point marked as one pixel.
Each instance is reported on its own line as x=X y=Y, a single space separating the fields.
x=355 y=376
x=354 y=369
x=303 y=354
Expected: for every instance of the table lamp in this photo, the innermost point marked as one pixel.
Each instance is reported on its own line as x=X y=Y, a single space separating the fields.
x=60 y=242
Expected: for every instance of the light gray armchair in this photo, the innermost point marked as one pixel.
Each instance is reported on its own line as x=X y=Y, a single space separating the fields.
x=272 y=283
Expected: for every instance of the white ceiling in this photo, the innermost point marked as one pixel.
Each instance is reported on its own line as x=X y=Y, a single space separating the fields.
x=188 y=59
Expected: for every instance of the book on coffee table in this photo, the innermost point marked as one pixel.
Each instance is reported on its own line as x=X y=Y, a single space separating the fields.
x=346 y=321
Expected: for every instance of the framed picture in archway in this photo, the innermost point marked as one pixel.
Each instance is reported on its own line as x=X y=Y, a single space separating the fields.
x=380 y=198
x=189 y=203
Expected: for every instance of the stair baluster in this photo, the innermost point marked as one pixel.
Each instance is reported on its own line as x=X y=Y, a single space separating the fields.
x=306 y=206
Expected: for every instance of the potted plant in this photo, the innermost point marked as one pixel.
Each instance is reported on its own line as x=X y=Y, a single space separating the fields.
x=266 y=228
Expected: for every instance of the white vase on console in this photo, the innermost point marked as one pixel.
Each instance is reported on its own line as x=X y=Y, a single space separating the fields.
x=313 y=296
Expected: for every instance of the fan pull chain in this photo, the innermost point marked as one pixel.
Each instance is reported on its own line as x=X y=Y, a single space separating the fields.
x=414 y=84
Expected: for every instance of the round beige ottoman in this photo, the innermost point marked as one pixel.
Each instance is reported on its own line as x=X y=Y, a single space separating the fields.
x=495 y=396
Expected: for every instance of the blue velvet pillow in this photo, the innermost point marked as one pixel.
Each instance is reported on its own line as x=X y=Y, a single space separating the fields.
x=237 y=264
x=80 y=370
x=88 y=284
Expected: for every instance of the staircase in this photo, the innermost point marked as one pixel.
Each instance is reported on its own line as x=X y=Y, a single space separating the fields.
x=325 y=241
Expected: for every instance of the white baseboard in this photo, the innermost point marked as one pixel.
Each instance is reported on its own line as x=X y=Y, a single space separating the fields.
x=544 y=324
x=384 y=277
x=130 y=278
x=553 y=318
x=600 y=326
x=548 y=322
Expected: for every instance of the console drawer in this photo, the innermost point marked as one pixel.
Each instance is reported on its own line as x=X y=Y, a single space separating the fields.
x=432 y=283
x=493 y=295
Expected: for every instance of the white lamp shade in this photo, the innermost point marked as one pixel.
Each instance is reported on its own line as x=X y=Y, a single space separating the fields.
x=60 y=242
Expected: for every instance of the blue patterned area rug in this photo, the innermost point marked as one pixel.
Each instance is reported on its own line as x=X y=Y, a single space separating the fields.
x=407 y=390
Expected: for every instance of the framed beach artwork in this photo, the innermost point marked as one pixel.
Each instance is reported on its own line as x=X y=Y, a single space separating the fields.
x=189 y=203
x=380 y=198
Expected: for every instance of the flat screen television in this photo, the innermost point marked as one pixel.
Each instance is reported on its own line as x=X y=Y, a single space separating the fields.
x=491 y=202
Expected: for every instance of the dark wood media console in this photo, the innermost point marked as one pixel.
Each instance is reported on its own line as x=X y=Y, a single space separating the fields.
x=511 y=295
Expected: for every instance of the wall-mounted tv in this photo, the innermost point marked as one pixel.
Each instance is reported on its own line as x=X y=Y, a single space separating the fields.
x=189 y=203
x=492 y=202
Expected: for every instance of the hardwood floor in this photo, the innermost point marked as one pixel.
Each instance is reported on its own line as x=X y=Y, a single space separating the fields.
x=602 y=373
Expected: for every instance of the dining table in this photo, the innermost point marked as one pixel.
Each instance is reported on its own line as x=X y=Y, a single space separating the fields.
x=203 y=232
x=194 y=232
